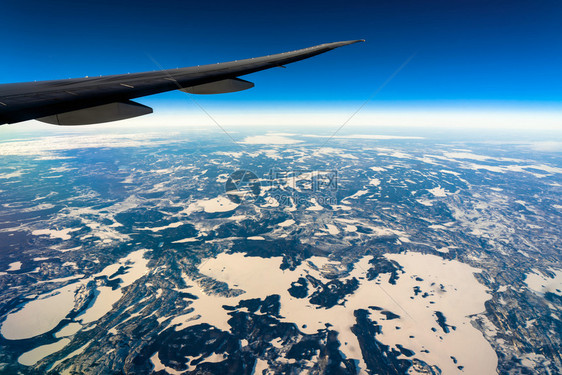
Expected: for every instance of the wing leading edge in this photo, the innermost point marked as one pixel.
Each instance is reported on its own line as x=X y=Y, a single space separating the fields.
x=101 y=99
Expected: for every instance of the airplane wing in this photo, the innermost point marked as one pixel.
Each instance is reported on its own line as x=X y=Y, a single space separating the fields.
x=93 y=100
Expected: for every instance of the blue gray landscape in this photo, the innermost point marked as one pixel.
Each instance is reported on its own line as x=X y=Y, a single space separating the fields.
x=364 y=253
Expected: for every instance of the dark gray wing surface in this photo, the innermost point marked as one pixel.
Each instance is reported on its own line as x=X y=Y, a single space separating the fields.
x=100 y=99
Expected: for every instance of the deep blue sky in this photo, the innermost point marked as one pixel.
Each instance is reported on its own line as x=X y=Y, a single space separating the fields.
x=469 y=53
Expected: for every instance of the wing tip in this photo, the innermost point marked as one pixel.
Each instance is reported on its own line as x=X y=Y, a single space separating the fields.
x=343 y=43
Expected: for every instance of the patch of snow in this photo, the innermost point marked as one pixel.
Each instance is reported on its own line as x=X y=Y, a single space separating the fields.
x=33 y=356
x=14 y=266
x=438 y=192
x=286 y=223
